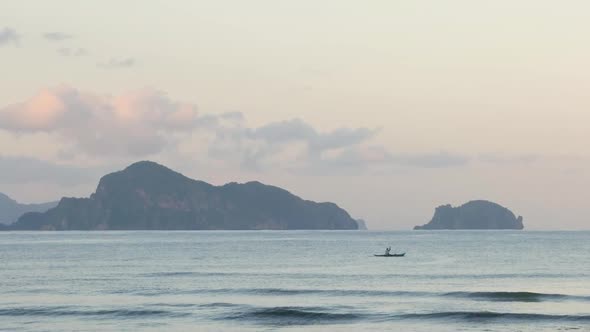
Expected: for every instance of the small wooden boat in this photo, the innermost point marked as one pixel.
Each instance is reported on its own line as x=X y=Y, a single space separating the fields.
x=391 y=255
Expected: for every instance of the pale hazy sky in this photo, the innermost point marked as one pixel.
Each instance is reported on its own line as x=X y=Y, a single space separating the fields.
x=388 y=108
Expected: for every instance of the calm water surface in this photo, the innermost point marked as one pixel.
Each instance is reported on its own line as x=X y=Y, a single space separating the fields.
x=294 y=281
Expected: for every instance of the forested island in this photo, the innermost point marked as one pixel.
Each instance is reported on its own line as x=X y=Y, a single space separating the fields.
x=149 y=196
x=477 y=214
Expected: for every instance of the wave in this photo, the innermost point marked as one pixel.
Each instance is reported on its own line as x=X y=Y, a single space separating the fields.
x=316 y=315
x=493 y=316
x=197 y=305
x=271 y=292
x=294 y=316
x=240 y=274
x=493 y=296
x=168 y=274
x=518 y=296
x=285 y=315
x=326 y=292
x=220 y=305
x=68 y=311
x=501 y=296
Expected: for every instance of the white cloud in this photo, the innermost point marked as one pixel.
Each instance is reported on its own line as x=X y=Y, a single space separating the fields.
x=501 y=159
x=57 y=36
x=115 y=63
x=431 y=160
x=23 y=170
x=8 y=36
x=72 y=52
x=291 y=144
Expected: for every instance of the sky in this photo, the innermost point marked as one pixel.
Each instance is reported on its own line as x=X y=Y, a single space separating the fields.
x=387 y=108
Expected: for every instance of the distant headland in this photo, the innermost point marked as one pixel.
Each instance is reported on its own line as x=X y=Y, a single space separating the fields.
x=149 y=196
x=473 y=215
x=10 y=209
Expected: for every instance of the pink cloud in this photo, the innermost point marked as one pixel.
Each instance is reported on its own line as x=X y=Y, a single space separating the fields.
x=136 y=123
x=42 y=112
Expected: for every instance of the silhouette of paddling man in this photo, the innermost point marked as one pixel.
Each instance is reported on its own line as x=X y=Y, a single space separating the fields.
x=387 y=250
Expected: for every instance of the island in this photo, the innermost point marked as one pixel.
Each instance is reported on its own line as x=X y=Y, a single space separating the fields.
x=10 y=209
x=479 y=214
x=149 y=196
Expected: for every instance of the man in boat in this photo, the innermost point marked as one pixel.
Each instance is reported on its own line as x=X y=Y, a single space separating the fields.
x=387 y=250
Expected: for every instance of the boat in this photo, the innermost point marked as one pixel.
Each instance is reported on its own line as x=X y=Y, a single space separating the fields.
x=391 y=255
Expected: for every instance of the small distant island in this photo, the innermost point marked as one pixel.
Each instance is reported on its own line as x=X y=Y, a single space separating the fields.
x=149 y=196
x=10 y=209
x=477 y=214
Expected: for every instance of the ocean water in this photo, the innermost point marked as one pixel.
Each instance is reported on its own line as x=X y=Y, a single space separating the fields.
x=294 y=281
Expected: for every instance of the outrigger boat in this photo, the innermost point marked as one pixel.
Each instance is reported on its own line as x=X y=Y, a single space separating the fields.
x=391 y=255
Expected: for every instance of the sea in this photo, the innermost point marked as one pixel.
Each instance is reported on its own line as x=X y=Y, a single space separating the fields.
x=294 y=281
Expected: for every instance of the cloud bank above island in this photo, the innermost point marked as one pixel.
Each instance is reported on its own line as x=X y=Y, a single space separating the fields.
x=146 y=122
